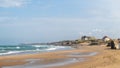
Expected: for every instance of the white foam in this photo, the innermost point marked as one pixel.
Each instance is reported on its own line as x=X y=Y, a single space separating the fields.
x=51 y=49
x=10 y=52
x=56 y=47
x=37 y=46
x=18 y=47
x=38 y=49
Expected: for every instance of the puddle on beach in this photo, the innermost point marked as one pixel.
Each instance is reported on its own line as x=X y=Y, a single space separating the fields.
x=87 y=54
x=43 y=63
x=39 y=63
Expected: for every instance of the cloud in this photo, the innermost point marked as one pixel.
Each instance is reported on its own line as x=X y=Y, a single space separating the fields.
x=13 y=3
x=107 y=9
x=7 y=20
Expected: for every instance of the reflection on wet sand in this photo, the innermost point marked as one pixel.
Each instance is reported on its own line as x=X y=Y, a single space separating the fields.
x=54 y=62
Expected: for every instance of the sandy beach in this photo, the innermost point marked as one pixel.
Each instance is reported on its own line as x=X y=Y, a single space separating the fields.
x=59 y=34
x=82 y=57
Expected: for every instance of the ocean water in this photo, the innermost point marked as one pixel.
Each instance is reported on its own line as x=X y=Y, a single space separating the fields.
x=28 y=49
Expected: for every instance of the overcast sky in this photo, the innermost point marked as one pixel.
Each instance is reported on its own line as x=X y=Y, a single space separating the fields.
x=26 y=21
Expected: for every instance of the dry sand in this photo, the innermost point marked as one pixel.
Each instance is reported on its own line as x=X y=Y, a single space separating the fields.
x=106 y=58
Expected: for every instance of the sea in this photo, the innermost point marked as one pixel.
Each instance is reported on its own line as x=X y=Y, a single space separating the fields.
x=29 y=49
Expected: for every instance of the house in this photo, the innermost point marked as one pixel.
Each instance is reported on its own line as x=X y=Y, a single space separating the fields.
x=88 y=38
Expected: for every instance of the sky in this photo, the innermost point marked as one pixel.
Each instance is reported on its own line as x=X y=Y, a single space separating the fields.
x=32 y=21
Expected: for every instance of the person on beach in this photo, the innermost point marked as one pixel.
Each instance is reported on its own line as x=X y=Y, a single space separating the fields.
x=112 y=44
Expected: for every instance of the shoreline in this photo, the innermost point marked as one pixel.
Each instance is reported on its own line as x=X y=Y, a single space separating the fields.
x=36 y=49
x=93 y=61
x=21 y=58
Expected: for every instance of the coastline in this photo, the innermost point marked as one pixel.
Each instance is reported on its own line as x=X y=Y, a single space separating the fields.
x=102 y=58
x=8 y=50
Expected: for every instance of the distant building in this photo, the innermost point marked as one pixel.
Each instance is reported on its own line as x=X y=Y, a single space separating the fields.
x=88 y=38
x=106 y=39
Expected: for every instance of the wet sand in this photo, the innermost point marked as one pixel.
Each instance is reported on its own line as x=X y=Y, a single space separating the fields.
x=85 y=57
